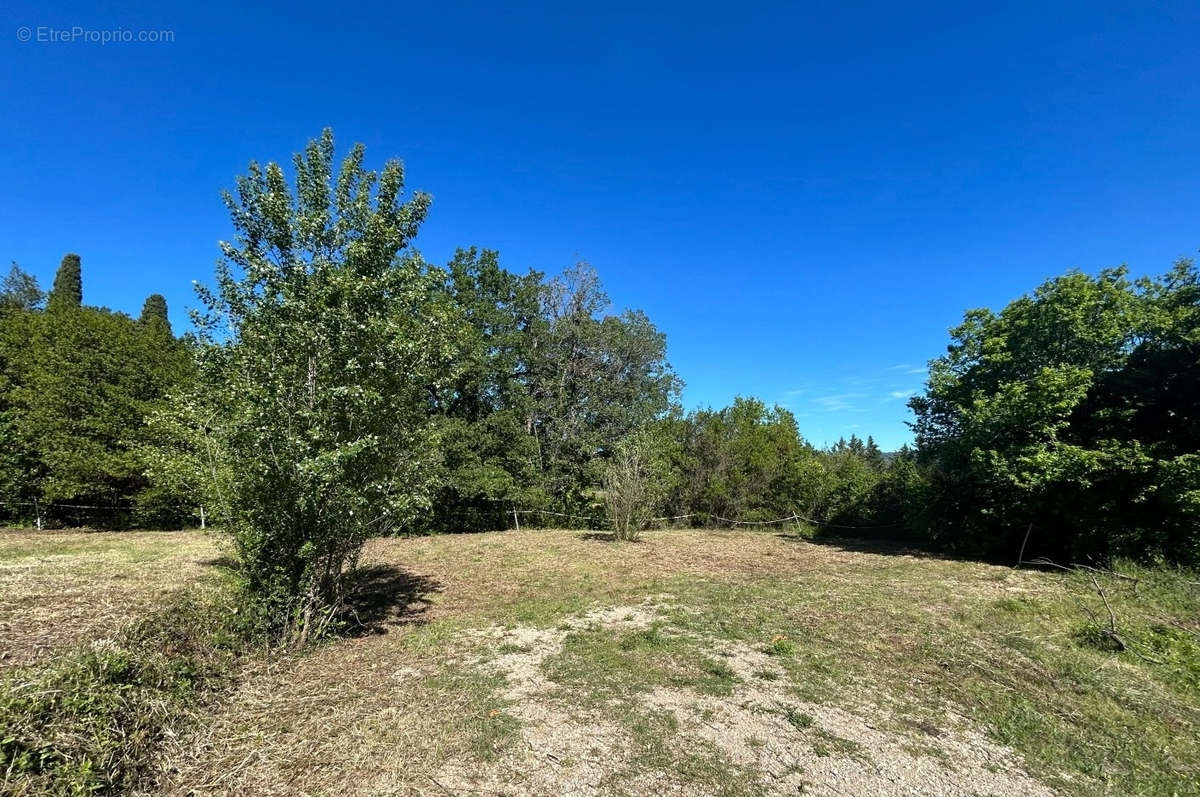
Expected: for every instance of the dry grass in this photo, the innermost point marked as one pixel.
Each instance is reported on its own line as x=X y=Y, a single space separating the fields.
x=693 y=662
x=61 y=587
x=421 y=709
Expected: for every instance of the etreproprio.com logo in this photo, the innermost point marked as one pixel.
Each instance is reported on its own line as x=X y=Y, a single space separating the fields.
x=77 y=34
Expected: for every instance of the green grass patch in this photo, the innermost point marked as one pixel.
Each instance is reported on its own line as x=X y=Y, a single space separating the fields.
x=1054 y=680
x=599 y=665
x=656 y=747
x=481 y=723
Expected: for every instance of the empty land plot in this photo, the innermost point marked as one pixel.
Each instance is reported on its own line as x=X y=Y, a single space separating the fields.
x=701 y=662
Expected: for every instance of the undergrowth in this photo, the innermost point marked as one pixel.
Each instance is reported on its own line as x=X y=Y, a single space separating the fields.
x=89 y=721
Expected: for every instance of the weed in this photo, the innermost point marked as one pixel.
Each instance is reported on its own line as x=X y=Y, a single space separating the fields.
x=798 y=719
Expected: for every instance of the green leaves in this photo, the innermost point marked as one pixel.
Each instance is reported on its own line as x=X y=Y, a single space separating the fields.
x=1064 y=410
x=320 y=343
x=79 y=383
x=67 y=292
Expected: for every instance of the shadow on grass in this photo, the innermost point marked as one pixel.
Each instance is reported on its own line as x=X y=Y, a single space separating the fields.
x=879 y=545
x=222 y=562
x=892 y=546
x=384 y=596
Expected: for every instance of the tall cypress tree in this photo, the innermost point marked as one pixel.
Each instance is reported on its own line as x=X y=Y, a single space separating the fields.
x=154 y=313
x=68 y=284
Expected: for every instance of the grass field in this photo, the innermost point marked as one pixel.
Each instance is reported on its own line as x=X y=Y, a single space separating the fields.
x=60 y=587
x=695 y=662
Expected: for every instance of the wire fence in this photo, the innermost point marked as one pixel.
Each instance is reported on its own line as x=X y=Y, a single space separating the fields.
x=43 y=512
x=794 y=519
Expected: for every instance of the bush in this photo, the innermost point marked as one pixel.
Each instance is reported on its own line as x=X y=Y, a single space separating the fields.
x=635 y=483
x=320 y=343
x=1070 y=412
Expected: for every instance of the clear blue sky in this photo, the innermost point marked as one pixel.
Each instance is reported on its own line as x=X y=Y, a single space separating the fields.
x=803 y=197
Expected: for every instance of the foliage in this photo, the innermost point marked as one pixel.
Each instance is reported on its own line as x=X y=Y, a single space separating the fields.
x=744 y=462
x=546 y=383
x=635 y=482
x=1072 y=409
x=593 y=379
x=78 y=383
x=67 y=292
x=19 y=290
x=321 y=346
x=747 y=462
x=154 y=313
x=489 y=456
x=184 y=468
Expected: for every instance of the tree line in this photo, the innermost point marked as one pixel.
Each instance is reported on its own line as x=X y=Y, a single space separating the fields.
x=77 y=384
x=336 y=385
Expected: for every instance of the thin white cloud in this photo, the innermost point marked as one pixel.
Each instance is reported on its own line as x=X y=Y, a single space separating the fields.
x=917 y=371
x=899 y=394
x=838 y=402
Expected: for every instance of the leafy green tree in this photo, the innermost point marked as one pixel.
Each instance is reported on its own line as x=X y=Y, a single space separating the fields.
x=20 y=290
x=490 y=461
x=856 y=447
x=635 y=482
x=322 y=343
x=20 y=466
x=154 y=313
x=745 y=462
x=872 y=453
x=1048 y=413
x=75 y=388
x=593 y=379
x=82 y=384
x=67 y=291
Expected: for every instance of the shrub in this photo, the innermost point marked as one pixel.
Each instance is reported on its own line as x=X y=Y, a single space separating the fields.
x=634 y=486
x=320 y=345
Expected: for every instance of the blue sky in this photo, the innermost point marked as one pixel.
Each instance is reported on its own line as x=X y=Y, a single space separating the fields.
x=804 y=197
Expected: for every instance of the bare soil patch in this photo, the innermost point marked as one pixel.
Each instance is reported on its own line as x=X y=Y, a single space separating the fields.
x=790 y=746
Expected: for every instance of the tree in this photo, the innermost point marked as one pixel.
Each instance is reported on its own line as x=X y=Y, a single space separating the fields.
x=856 y=446
x=872 y=453
x=154 y=314
x=322 y=341
x=490 y=460
x=20 y=466
x=67 y=291
x=82 y=401
x=593 y=379
x=1072 y=409
x=635 y=483
x=75 y=390
x=20 y=290
x=744 y=462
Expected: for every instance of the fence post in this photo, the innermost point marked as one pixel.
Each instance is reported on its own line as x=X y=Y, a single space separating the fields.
x=516 y=520
x=202 y=517
x=37 y=511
